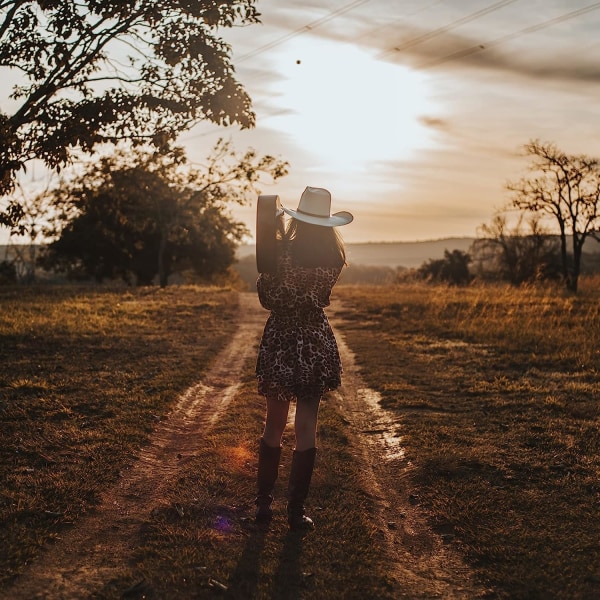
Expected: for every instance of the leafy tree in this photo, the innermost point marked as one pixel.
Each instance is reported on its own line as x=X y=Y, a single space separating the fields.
x=99 y=71
x=453 y=268
x=8 y=272
x=141 y=214
x=516 y=254
x=567 y=189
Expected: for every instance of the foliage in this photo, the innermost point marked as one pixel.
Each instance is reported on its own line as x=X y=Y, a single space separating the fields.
x=142 y=214
x=452 y=269
x=8 y=272
x=515 y=255
x=101 y=71
x=567 y=189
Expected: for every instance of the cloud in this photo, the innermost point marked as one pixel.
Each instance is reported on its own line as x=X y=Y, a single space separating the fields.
x=435 y=122
x=510 y=42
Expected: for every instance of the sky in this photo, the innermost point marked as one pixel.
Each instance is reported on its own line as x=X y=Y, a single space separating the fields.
x=413 y=113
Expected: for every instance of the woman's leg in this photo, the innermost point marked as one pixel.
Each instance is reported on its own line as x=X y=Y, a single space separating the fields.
x=269 y=453
x=305 y=425
x=277 y=414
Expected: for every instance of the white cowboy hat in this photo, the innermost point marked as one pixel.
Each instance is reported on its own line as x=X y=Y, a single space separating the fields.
x=315 y=207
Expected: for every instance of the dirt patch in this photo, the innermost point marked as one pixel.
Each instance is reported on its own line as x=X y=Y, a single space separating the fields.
x=85 y=558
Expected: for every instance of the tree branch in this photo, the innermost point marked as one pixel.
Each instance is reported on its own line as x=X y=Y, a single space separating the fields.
x=9 y=17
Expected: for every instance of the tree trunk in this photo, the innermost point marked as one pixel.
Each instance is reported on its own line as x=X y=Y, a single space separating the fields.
x=577 y=251
x=163 y=276
x=564 y=255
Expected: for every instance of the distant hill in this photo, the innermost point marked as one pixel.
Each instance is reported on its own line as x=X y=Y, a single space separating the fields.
x=403 y=254
x=392 y=254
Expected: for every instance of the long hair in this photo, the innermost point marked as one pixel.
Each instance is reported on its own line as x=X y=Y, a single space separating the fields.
x=314 y=245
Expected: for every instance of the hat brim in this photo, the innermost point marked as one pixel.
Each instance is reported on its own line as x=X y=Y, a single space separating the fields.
x=336 y=220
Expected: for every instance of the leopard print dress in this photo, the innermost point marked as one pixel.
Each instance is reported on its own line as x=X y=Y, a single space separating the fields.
x=298 y=355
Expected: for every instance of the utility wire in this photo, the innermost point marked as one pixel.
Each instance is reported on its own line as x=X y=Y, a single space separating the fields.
x=513 y=35
x=440 y=30
x=305 y=29
x=301 y=30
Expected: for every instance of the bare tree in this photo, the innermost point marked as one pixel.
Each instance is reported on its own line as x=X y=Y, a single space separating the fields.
x=35 y=212
x=566 y=188
x=518 y=253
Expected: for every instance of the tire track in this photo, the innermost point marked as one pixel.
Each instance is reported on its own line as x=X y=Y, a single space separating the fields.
x=85 y=558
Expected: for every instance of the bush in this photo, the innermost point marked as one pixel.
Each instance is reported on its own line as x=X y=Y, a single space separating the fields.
x=8 y=272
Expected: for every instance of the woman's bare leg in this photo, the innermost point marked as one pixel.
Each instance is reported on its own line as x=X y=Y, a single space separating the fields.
x=305 y=424
x=277 y=414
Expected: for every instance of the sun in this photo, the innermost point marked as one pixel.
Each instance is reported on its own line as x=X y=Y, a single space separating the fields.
x=347 y=108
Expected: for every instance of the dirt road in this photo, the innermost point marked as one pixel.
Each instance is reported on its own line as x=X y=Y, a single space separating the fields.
x=84 y=558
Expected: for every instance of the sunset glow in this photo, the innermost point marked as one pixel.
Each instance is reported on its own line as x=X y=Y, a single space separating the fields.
x=347 y=107
x=414 y=113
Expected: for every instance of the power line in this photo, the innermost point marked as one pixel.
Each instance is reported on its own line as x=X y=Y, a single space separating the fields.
x=513 y=35
x=389 y=24
x=434 y=33
x=302 y=30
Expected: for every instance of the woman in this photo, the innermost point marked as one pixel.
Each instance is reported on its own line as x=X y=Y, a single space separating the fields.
x=298 y=357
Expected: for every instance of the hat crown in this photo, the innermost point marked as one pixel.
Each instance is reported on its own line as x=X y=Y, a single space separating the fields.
x=315 y=202
x=315 y=208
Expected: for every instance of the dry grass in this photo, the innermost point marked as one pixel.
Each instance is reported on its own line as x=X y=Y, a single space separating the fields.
x=498 y=392
x=85 y=373
x=497 y=389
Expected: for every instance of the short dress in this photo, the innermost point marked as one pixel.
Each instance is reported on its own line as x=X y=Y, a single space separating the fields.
x=298 y=355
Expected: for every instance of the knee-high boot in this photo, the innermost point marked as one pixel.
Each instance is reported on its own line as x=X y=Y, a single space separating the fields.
x=303 y=463
x=268 y=469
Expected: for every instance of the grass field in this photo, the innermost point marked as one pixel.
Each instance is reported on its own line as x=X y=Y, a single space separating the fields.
x=497 y=390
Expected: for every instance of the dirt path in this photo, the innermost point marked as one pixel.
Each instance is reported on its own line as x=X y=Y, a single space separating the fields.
x=84 y=559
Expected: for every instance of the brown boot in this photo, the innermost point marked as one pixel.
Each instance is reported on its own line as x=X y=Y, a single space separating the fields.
x=300 y=475
x=268 y=469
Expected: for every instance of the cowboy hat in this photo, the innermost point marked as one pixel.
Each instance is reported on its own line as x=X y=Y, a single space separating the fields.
x=315 y=207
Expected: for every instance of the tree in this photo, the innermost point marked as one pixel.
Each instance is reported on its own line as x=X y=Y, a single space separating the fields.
x=8 y=272
x=98 y=71
x=138 y=214
x=516 y=254
x=567 y=189
x=453 y=268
